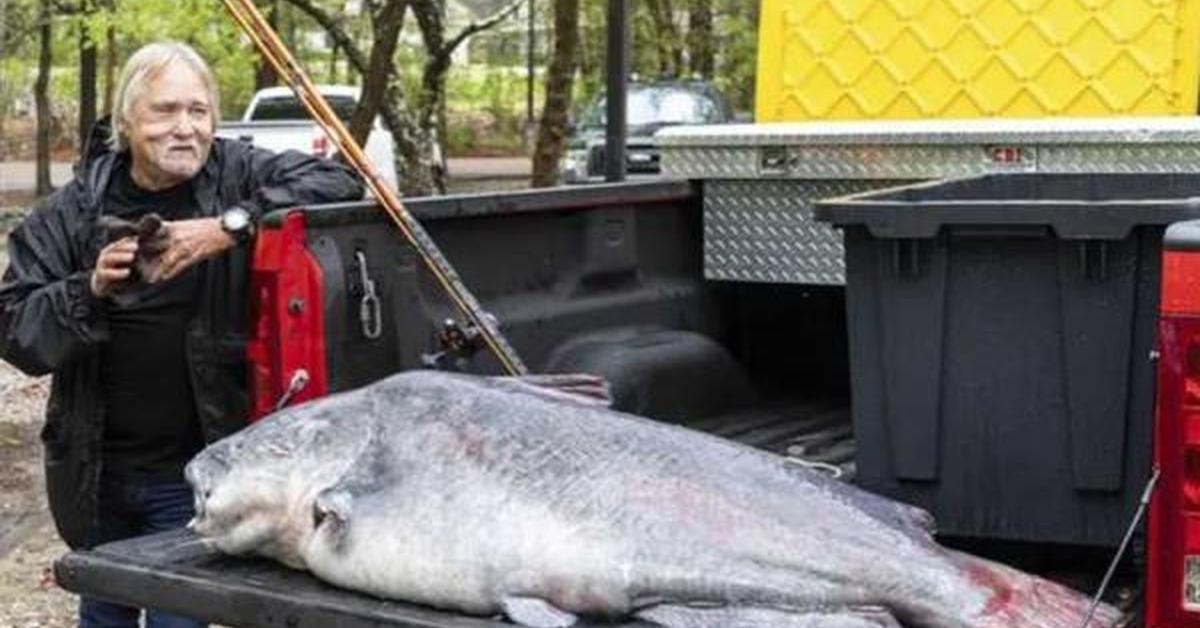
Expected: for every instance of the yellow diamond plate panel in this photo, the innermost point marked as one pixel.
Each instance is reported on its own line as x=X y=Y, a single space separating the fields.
x=879 y=59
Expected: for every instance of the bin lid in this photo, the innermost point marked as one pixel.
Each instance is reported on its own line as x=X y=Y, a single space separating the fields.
x=1075 y=206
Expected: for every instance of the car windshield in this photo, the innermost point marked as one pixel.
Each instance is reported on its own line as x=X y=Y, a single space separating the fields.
x=289 y=108
x=659 y=105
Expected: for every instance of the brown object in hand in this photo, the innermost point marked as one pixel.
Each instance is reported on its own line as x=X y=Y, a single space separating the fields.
x=153 y=239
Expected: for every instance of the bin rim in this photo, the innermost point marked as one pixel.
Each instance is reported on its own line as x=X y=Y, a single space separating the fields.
x=1072 y=219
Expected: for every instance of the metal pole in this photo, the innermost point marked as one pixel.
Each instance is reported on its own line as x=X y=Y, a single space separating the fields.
x=618 y=73
x=531 y=46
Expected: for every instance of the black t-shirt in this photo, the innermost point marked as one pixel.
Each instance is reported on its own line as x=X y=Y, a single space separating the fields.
x=150 y=428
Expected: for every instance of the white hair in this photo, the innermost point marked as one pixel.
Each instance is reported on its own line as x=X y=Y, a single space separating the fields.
x=144 y=66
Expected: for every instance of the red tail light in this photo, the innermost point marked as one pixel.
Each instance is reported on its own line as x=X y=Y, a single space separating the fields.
x=287 y=332
x=1173 y=561
x=320 y=145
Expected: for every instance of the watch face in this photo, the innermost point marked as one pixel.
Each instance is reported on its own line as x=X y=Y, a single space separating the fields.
x=235 y=220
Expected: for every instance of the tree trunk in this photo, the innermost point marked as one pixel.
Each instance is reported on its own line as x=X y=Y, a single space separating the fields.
x=670 y=54
x=41 y=88
x=425 y=174
x=333 y=66
x=388 y=22
x=87 y=75
x=701 y=57
x=439 y=50
x=588 y=58
x=264 y=74
x=440 y=145
x=560 y=82
x=671 y=32
x=110 y=69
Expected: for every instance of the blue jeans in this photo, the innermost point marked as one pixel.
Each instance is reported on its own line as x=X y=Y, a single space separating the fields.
x=136 y=508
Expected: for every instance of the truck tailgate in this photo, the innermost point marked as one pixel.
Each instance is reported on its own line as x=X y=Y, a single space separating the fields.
x=170 y=571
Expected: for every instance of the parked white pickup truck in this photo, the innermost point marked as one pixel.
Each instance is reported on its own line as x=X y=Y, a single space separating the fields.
x=275 y=119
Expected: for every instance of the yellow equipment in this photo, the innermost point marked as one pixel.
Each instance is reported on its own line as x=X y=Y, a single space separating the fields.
x=889 y=59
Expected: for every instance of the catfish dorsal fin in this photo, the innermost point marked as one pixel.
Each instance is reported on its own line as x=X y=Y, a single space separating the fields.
x=580 y=388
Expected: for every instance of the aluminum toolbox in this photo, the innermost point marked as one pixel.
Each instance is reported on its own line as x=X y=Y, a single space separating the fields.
x=760 y=180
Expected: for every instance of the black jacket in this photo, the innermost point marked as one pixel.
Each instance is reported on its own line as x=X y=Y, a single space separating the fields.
x=51 y=323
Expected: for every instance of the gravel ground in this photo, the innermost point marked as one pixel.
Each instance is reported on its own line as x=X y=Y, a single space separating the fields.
x=28 y=542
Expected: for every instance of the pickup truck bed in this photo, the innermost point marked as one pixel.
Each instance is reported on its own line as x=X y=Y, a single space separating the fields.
x=614 y=270
x=172 y=571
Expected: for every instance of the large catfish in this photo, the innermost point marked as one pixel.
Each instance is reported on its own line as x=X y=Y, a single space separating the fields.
x=494 y=496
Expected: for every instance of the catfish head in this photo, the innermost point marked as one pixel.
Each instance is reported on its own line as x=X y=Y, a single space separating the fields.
x=256 y=491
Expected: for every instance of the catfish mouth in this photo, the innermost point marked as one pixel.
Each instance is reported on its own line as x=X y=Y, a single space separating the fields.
x=200 y=523
x=202 y=474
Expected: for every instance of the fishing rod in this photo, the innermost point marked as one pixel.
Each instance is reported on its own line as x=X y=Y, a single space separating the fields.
x=276 y=53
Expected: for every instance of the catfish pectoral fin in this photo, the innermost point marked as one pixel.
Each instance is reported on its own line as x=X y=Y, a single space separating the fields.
x=684 y=616
x=536 y=613
x=331 y=515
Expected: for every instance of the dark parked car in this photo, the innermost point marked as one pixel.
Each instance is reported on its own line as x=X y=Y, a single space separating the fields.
x=651 y=107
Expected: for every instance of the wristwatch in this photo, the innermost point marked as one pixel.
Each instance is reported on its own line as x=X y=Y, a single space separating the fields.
x=238 y=223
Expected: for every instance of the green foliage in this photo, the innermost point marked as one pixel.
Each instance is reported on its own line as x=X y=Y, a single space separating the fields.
x=13 y=75
x=487 y=109
x=203 y=25
x=486 y=96
x=736 y=30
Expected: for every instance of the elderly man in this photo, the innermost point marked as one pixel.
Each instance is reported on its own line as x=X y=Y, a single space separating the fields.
x=147 y=369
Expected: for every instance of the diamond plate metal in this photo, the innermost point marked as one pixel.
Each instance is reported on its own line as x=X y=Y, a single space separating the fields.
x=763 y=230
x=761 y=179
x=902 y=162
x=1163 y=158
x=1160 y=130
x=731 y=162
x=797 y=159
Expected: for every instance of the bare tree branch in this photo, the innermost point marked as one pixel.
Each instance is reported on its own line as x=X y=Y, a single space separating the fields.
x=337 y=31
x=482 y=25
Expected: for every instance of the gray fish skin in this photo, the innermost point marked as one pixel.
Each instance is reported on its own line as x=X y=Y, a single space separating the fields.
x=463 y=492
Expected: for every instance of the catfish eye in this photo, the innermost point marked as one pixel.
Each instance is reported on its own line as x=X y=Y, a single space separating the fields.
x=318 y=516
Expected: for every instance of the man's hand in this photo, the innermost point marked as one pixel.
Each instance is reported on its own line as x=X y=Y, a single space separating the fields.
x=112 y=266
x=192 y=241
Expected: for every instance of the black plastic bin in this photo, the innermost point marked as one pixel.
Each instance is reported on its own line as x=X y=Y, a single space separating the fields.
x=1001 y=334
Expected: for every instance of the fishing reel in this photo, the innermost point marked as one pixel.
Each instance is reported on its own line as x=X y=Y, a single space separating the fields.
x=457 y=345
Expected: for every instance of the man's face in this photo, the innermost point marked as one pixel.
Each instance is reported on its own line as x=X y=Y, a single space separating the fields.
x=170 y=129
